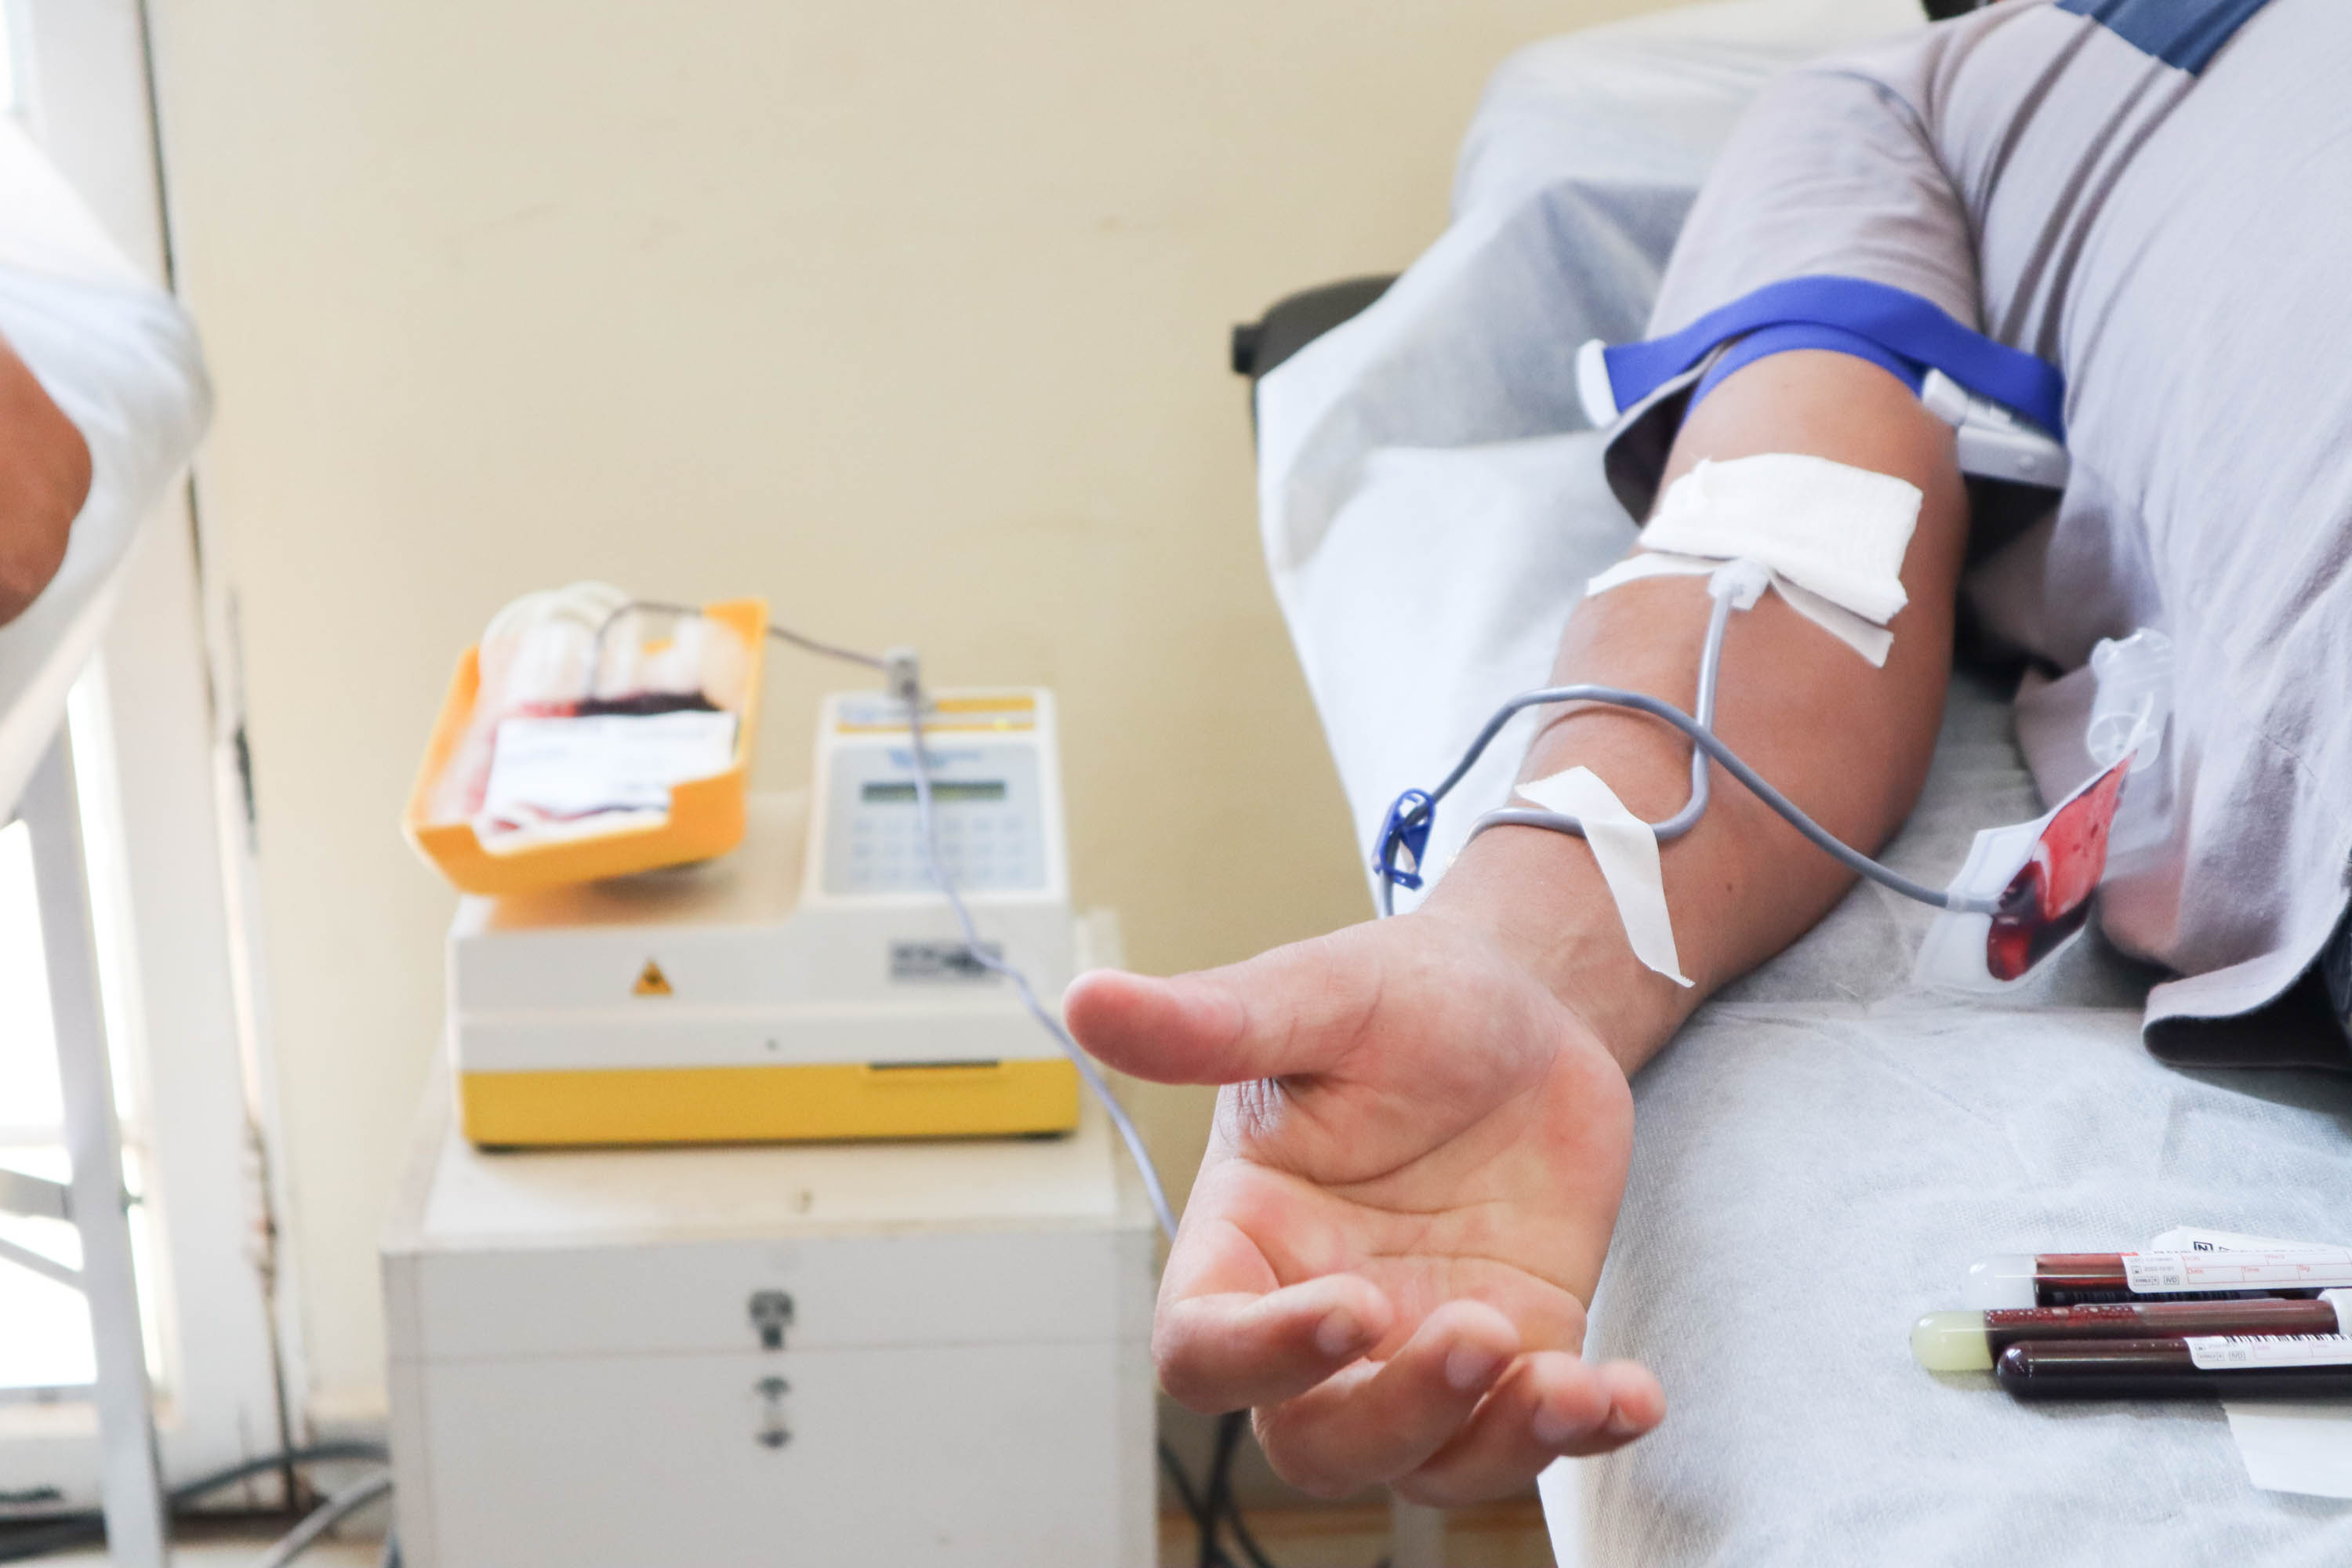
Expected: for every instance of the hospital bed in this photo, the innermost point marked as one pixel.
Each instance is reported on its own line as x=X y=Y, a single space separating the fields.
x=1826 y=1147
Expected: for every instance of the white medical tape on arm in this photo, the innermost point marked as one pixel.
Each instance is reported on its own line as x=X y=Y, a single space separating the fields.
x=1628 y=853
x=1871 y=642
x=1839 y=530
x=1832 y=536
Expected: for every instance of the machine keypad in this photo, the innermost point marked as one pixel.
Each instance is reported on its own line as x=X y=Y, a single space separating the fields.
x=986 y=844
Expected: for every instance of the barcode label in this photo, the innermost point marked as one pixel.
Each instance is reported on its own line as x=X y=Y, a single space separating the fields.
x=2172 y=1273
x=2225 y=1353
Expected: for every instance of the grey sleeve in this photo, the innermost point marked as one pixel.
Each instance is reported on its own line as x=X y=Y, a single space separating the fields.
x=1833 y=170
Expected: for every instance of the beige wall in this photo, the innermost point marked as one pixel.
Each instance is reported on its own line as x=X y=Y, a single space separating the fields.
x=910 y=316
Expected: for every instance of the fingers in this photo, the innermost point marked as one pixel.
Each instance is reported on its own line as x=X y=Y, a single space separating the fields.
x=1456 y=1415
x=1283 y=1011
x=1159 y=1029
x=1230 y=1351
x=1550 y=1405
x=1376 y=1421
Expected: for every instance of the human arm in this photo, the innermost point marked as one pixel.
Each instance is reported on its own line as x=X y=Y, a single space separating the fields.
x=1418 y=1159
x=44 y=476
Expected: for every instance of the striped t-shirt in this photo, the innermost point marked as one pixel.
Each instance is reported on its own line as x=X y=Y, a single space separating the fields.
x=2155 y=196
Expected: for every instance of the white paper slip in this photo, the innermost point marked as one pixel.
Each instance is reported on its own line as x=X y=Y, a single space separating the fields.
x=2304 y=1447
x=2294 y=1447
x=612 y=762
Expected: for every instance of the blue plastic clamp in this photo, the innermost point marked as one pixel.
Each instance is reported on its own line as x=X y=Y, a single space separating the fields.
x=1414 y=838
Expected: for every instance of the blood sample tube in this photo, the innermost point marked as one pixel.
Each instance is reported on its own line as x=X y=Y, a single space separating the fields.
x=2290 y=1366
x=2083 y=1278
x=1970 y=1341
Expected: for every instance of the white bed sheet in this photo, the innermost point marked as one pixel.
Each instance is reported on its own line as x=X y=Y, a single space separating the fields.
x=1826 y=1148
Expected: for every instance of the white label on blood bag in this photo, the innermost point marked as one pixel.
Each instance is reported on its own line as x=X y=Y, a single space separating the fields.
x=2169 y=1273
x=611 y=762
x=2224 y=1353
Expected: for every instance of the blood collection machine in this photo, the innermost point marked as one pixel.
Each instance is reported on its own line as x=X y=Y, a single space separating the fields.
x=812 y=984
x=813 y=1346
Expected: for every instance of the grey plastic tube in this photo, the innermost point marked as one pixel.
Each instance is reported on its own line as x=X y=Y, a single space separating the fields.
x=1706 y=746
x=1095 y=1083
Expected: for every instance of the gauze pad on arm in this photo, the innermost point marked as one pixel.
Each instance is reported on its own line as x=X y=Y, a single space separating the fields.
x=1832 y=536
x=1628 y=852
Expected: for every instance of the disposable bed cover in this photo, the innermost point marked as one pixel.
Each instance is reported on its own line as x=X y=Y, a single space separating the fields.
x=1826 y=1148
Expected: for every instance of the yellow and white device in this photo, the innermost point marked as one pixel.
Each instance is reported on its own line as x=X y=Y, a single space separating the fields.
x=814 y=983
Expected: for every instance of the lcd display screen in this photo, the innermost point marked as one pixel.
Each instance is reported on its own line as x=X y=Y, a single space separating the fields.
x=884 y=791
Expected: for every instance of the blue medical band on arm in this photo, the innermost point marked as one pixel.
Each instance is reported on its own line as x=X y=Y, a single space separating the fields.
x=1766 y=342
x=2183 y=33
x=1897 y=320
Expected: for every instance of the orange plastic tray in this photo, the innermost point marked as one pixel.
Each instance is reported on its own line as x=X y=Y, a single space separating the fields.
x=706 y=815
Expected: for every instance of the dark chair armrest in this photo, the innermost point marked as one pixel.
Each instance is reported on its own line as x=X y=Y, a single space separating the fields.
x=1290 y=324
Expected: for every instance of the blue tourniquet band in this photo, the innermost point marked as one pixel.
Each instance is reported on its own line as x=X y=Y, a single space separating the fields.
x=1766 y=342
x=1901 y=324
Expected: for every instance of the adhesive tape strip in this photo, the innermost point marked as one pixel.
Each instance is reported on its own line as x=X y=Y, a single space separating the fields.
x=1628 y=853
x=1839 y=530
x=1870 y=641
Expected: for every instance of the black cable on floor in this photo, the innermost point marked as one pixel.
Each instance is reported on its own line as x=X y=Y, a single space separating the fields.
x=88 y=1527
x=1250 y=1548
x=1221 y=1503
x=1204 y=1528
x=1219 y=1486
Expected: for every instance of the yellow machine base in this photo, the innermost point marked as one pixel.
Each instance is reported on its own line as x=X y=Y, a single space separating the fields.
x=767 y=1104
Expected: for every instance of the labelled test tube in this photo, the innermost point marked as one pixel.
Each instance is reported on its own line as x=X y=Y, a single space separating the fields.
x=2083 y=1278
x=1971 y=1341
x=2230 y=1367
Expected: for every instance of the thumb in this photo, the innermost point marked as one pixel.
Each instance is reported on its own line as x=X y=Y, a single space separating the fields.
x=1269 y=1017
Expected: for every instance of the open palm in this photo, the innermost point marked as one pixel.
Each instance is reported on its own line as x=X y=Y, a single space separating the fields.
x=1417 y=1157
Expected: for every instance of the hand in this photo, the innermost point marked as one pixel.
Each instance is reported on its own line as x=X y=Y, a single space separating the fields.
x=1416 y=1161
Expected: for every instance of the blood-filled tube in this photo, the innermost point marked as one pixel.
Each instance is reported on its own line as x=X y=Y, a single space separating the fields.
x=1970 y=1341
x=2081 y=1278
x=2176 y=1368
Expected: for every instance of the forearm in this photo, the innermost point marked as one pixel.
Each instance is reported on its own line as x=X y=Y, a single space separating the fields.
x=1847 y=741
x=45 y=474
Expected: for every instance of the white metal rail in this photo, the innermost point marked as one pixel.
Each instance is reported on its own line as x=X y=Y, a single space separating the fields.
x=95 y=1199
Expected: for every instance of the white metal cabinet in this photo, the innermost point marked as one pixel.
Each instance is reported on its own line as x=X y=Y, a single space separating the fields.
x=926 y=1354
x=994 y=1454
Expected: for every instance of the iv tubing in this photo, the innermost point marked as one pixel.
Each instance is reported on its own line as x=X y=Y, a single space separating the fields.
x=1704 y=745
x=1087 y=1069
x=782 y=633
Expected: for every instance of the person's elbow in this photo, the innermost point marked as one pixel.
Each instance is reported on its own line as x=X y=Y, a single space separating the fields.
x=44 y=476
